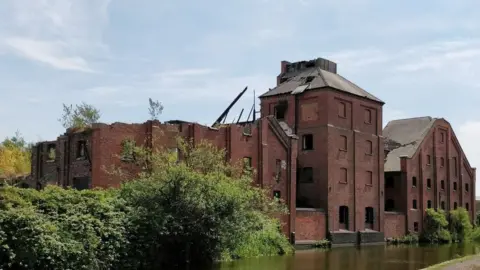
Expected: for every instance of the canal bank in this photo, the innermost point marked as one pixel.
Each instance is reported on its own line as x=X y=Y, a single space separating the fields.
x=467 y=262
x=391 y=257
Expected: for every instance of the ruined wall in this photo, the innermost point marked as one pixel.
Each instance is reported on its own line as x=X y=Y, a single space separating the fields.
x=310 y=225
x=394 y=224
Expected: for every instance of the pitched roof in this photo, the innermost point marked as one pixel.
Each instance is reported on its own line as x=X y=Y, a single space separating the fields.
x=403 y=137
x=296 y=83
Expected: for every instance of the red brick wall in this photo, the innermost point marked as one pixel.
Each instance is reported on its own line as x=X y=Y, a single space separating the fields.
x=310 y=225
x=359 y=191
x=394 y=225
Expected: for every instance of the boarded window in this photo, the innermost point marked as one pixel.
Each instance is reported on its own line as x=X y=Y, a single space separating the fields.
x=342 y=109
x=343 y=175
x=343 y=143
x=81 y=183
x=306 y=175
x=368 y=116
x=455 y=169
x=369 y=179
x=369 y=150
x=307 y=142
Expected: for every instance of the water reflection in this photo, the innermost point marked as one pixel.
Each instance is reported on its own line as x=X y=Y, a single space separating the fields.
x=363 y=258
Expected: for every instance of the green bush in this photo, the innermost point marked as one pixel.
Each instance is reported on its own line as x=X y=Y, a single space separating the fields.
x=460 y=225
x=407 y=239
x=435 y=227
x=59 y=229
x=199 y=210
x=325 y=243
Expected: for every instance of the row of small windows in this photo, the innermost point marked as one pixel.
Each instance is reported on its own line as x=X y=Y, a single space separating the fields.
x=390 y=183
x=342 y=113
x=79 y=151
x=307 y=144
x=306 y=176
x=343 y=215
x=442 y=163
x=390 y=205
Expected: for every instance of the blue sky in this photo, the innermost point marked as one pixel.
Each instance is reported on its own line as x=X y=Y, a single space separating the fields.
x=420 y=57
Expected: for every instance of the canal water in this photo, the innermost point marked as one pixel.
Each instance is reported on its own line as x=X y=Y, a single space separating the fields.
x=358 y=258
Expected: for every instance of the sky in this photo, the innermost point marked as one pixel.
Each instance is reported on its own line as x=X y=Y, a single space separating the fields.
x=421 y=57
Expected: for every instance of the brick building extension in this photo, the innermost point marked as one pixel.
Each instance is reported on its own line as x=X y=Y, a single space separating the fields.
x=318 y=145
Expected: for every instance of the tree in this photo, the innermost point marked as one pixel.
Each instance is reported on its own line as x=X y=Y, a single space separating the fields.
x=82 y=116
x=155 y=109
x=15 y=156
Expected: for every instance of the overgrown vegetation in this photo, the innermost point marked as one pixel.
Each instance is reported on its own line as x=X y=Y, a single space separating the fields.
x=407 y=239
x=440 y=227
x=199 y=209
x=325 y=243
x=15 y=156
x=81 y=116
x=435 y=228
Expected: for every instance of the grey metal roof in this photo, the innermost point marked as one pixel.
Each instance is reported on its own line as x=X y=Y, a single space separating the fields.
x=296 y=81
x=403 y=137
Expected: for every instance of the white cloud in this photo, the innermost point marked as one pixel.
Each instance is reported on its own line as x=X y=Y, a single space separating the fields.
x=59 y=33
x=52 y=53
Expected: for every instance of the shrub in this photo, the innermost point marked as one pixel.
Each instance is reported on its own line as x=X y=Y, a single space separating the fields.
x=407 y=239
x=435 y=227
x=325 y=243
x=460 y=226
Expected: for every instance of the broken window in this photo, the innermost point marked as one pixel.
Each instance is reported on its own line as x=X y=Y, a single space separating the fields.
x=343 y=143
x=429 y=159
x=368 y=116
x=278 y=170
x=369 y=178
x=276 y=194
x=81 y=145
x=390 y=182
x=369 y=215
x=389 y=205
x=442 y=184
x=429 y=183
x=281 y=109
x=342 y=109
x=414 y=204
x=51 y=152
x=307 y=141
x=128 y=150
x=429 y=204
x=466 y=187
x=81 y=183
x=442 y=162
x=343 y=214
x=455 y=186
x=307 y=175
x=247 y=163
x=415 y=226
x=414 y=181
